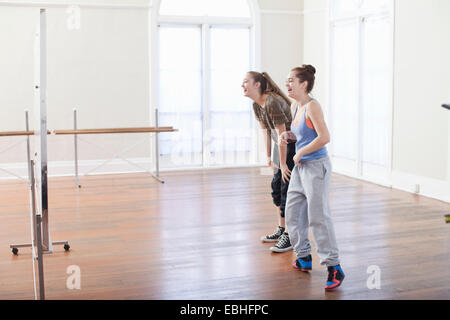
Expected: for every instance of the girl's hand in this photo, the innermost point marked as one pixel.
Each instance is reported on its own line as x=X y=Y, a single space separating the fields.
x=298 y=156
x=286 y=137
x=271 y=164
x=285 y=173
x=282 y=139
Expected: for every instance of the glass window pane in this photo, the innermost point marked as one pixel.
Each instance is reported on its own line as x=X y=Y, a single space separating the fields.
x=344 y=92
x=218 y=8
x=230 y=111
x=352 y=6
x=375 y=4
x=179 y=90
x=171 y=39
x=180 y=99
x=228 y=68
x=376 y=89
x=345 y=6
x=228 y=8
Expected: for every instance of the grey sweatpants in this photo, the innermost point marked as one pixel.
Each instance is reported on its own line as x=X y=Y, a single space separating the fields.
x=307 y=206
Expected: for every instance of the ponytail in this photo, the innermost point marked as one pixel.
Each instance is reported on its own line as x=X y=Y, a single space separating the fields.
x=268 y=86
x=272 y=88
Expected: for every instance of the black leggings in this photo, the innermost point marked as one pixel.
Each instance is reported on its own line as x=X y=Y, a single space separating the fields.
x=279 y=187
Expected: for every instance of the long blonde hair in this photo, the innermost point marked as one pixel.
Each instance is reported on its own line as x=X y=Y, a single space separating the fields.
x=268 y=86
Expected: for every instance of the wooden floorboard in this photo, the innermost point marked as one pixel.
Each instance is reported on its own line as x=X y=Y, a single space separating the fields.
x=197 y=237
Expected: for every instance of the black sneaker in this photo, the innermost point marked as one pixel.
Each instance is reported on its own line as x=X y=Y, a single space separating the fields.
x=275 y=236
x=335 y=277
x=283 y=245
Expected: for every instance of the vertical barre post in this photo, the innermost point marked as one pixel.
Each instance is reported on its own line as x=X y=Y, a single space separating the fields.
x=75 y=142
x=40 y=131
x=31 y=180
x=39 y=255
x=37 y=228
x=156 y=143
x=27 y=127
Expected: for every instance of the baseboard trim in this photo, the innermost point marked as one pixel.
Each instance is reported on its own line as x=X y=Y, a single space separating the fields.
x=428 y=187
x=116 y=166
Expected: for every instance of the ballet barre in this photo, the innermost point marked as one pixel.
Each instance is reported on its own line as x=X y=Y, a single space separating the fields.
x=114 y=130
x=76 y=132
x=91 y=131
x=17 y=133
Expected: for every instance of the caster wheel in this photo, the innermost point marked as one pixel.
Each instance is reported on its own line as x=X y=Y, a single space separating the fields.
x=66 y=247
x=15 y=251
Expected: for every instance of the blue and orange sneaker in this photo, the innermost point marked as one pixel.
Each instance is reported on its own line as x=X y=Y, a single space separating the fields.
x=335 y=277
x=303 y=264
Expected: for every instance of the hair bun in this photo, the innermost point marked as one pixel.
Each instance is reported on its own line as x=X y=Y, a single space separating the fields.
x=310 y=68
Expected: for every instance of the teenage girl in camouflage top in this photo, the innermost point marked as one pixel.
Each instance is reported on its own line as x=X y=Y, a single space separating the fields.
x=272 y=110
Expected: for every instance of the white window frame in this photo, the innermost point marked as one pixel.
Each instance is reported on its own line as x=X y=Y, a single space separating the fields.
x=360 y=16
x=205 y=22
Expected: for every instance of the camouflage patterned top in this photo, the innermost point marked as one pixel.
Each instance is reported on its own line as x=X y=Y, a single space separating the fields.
x=275 y=112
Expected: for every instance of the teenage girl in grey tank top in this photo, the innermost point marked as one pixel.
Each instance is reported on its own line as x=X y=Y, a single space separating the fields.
x=307 y=199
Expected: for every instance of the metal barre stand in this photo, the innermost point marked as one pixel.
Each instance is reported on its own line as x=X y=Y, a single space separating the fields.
x=39 y=225
x=156 y=130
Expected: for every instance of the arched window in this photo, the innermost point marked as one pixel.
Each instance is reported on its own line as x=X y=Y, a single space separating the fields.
x=341 y=7
x=212 y=8
x=204 y=49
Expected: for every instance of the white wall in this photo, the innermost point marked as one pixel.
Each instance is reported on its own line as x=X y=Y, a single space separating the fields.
x=281 y=5
x=100 y=68
x=315 y=47
x=421 y=84
x=282 y=37
x=281 y=43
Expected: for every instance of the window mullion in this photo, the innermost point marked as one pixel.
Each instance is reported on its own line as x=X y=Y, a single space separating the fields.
x=206 y=66
x=359 y=95
x=254 y=65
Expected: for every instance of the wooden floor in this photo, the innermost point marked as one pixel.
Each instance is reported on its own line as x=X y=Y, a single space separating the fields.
x=198 y=237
